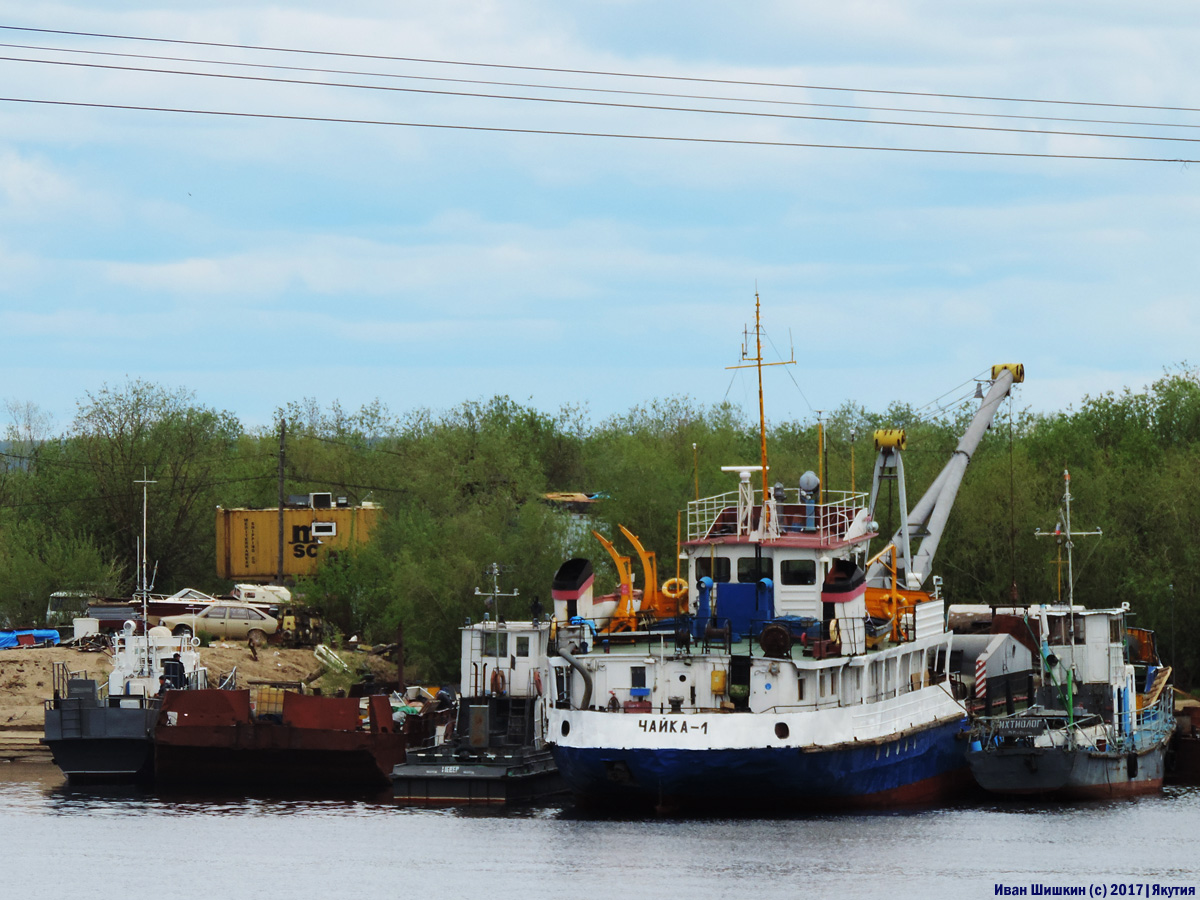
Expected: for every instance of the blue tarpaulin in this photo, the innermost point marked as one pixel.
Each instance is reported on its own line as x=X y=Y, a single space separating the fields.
x=8 y=639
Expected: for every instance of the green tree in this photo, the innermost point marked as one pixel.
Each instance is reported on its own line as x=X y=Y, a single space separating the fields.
x=38 y=563
x=89 y=481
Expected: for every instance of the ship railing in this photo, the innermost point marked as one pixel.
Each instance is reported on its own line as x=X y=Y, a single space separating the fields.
x=995 y=729
x=717 y=516
x=1051 y=727
x=1155 y=723
x=60 y=675
x=802 y=706
x=896 y=687
x=1150 y=726
x=867 y=713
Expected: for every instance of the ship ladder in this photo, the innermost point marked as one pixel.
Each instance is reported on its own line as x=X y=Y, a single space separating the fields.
x=518 y=722
x=72 y=720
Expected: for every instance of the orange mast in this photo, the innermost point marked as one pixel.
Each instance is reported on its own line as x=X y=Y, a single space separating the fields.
x=758 y=363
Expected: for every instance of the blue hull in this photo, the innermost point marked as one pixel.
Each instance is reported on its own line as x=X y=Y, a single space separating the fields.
x=928 y=766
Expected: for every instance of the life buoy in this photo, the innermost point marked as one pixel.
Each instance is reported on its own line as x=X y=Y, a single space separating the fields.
x=537 y=681
x=888 y=604
x=497 y=681
x=674 y=588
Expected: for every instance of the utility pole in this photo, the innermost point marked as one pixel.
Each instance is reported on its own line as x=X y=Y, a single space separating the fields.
x=282 y=437
x=1174 y=658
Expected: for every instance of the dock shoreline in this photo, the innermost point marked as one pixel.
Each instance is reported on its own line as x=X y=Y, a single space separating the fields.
x=23 y=744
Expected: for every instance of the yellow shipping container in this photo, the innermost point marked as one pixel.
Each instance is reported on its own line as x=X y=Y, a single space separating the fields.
x=248 y=539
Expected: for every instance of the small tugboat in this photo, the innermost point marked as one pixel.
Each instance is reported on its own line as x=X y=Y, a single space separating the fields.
x=105 y=731
x=1103 y=716
x=497 y=754
x=800 y=671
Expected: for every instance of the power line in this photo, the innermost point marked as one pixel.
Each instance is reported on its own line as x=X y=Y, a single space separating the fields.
x=758 y=114
x=611 y=74
x=596 y=134
x=803 y=396
x=116 y=496
x=942 y=407
x=594 y=90
x=50 y=460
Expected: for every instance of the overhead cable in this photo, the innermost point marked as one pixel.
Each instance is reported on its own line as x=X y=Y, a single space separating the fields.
x=758 y=114
x=613 y=74
x=594 y=90
x=596 y=134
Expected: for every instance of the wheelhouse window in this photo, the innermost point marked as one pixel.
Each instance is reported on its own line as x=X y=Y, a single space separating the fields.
x=522 y=646
x=1115 y=631
x=1058 y=630
x=798 y=571
x=495 y=644
x=717 y=569
x=751 y=570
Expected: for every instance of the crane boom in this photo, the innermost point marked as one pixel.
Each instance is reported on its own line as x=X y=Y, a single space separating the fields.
x=928 y=517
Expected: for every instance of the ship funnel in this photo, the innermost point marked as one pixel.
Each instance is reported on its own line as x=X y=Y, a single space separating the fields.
x=572 y=584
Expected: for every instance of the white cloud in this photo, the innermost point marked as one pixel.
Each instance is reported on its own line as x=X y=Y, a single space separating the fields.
x=125 y=236
x=33 y=189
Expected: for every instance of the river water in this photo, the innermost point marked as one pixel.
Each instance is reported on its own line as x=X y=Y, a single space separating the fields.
x=57 y=841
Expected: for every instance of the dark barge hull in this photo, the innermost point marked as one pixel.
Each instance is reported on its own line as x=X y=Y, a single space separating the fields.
x=1064 y=774
x=447 y=780
x=1184 y=767
x=101 y=739
x=275 y=756
x=211 y=739
x=492 y=758
x=104 y=759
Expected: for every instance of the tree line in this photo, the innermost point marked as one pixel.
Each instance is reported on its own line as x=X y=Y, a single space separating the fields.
x=465 y=487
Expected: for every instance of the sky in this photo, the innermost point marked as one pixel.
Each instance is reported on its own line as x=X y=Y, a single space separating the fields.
x=258 y=261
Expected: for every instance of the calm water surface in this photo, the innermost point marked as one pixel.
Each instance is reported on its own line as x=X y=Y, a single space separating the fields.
x=57 y=841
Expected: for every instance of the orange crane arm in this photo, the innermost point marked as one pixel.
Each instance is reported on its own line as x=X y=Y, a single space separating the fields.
x=652 y=597
x=623 y=619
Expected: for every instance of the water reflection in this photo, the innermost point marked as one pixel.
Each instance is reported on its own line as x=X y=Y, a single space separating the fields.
x=255 y=846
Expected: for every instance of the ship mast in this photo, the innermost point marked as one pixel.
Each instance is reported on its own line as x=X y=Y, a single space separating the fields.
x=762 y=416
x=492 y=597
x=757 y=362
x=143 y=586
x=1064 y=535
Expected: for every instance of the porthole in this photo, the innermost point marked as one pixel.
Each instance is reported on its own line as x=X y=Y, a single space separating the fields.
x=781 y=730
x=566 y=728
x=683 y=678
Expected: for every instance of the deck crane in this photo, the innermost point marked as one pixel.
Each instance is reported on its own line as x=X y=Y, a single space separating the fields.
x=895 y=574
